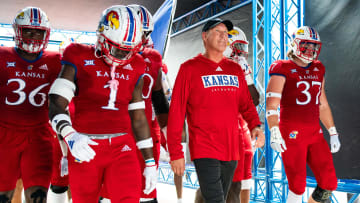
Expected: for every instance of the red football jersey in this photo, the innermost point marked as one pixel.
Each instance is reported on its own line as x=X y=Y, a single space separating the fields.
x=24 y=87
x=211 y=95
x=153 y=63
x=300 y=97
x=99 y=109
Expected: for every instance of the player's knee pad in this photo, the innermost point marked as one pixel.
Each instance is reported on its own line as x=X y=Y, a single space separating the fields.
x=58 y=189
x=38 y=196
x=320 y=194
x=4 y=199
x=294 y=198
x=246 y=184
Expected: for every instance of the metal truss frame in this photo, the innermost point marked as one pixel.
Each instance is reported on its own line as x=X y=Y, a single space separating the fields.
x=167 y=176
x=212 y=9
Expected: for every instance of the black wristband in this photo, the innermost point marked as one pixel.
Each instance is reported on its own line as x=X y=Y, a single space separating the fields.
x=160 y=102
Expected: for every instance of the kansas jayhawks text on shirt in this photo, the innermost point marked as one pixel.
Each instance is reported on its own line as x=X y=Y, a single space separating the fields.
x=220 y=80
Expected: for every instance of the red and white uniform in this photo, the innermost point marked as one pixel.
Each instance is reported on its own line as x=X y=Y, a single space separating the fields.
x=243 y=169
x=211 y=95
x=153 y=63
x=101 y=110
x=25 y=133
x=300 y=127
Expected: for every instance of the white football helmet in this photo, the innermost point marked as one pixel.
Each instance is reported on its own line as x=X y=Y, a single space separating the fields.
x=31 y=18
x=146 y=20
x=237 y=43
x=119 y=35
x=306 y=44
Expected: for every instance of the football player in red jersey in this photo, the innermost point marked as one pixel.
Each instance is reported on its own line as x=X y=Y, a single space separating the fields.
x=297 y=85
x=27 y=72
x=105 y=83
x=240 y=187
x=155 y=101
x=211 y=90
x=59 y=190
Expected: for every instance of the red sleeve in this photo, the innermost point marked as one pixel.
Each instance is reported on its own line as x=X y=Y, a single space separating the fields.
x=277 y=68
x=157 y=59
x=69 y=52
x=247 y=107
x=177 y=113
x=164 y=68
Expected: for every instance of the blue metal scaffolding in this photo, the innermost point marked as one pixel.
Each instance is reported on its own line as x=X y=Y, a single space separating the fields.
x=271 y=22
x=212 y=9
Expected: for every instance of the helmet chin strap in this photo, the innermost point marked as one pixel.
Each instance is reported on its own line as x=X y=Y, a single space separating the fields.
x=304 y=60
x=113 y=82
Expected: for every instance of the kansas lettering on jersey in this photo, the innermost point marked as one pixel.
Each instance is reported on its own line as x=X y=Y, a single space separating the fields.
x=153 y=61
x=211 y=95
x=24 y=87
x=300 y=97
x=98 y=108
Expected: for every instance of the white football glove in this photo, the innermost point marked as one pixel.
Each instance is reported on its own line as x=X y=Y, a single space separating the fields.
x=335 y=143
x=151 y=175
x=276 y=141
x=79 y=146
x=64 y=170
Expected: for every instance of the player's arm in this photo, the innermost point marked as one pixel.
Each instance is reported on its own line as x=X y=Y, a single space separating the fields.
x=139 y=123
x=60 y=94
x=254 y=94
x=143 y=139
x=159 y=101
x=250 y=82
x=328 y=121
x=62 y=91
x=325 y=111
x=273 y=97
x=161 y=106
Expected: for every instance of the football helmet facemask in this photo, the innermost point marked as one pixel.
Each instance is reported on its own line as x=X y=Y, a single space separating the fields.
x=119 y=35
x=237 y=43
x=32 y=30
x=306 y=44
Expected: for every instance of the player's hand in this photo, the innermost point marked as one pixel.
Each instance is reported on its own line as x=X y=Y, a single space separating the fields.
x=178 y=166
x=276 y=141
x=64 y=170
x=258 y=134
x=335 y=143
x=79 y=146
x=151 y=176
